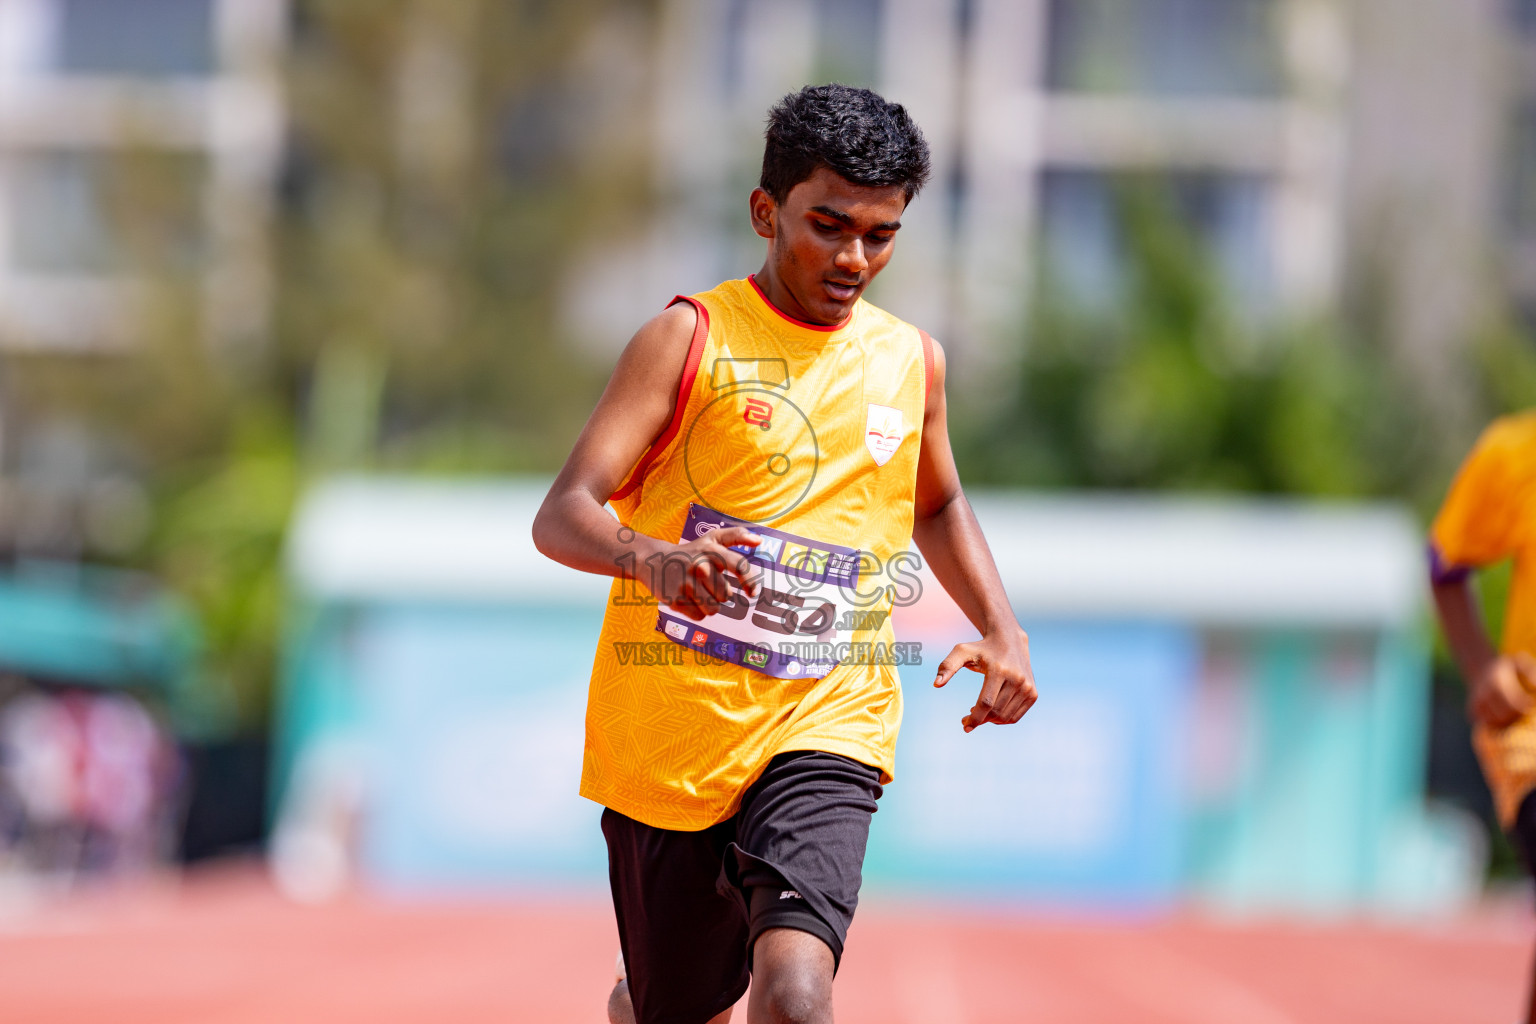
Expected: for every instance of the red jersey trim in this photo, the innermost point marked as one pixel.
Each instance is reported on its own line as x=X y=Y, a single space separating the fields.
x=825 y=329
x=684 y=389
x=927 y=365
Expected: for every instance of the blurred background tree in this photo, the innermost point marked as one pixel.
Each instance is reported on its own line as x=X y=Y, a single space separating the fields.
x=445 y=159
x=1170 y=384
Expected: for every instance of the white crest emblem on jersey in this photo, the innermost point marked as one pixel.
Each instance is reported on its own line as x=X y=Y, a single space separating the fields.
x=883 y=432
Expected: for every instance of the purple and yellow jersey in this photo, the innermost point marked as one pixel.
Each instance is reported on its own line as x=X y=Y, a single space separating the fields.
x=1488 y=516
x=813 y=432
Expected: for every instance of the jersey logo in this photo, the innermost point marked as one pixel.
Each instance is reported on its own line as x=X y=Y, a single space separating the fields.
x=883 y=432
x=758 y=413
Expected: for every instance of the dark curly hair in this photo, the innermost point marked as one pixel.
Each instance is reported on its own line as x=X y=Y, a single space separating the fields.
x=854 y=132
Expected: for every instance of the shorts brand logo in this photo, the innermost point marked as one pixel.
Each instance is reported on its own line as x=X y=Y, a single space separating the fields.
x=758 y=413
x=790 y=894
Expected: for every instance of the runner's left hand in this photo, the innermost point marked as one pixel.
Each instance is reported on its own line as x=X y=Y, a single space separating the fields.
x=1008 y=689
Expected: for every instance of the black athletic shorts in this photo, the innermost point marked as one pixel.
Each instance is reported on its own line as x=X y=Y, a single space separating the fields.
x=1523 y=834
x=690 y=905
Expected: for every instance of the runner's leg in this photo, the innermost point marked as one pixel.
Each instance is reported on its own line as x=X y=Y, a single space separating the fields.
x=791 y=979
x=797 y=864
x=684 y=942
x=1524 y=836
x=622 y=1011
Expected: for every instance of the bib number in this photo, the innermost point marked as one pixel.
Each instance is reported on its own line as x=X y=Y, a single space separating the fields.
x=790 y=629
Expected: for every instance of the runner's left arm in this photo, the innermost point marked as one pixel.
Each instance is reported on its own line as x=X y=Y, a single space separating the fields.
x=949 y=537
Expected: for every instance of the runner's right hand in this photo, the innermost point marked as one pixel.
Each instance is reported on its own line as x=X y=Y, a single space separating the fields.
x=691 y=579
x=1503 y=692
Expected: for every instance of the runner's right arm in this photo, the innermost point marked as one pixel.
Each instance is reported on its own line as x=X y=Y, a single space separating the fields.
x=1495 y=694
x=575 y=529
x=1476 y=527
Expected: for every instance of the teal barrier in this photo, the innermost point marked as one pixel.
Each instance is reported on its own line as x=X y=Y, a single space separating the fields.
x=1240 y=723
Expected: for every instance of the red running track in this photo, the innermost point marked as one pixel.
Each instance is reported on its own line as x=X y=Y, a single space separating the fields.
x=225 y=949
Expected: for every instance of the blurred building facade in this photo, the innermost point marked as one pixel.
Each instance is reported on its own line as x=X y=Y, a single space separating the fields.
x=140 y=146
x=1320 y=148
x=1520 y=190
x=85 y=83
x=1323 y=150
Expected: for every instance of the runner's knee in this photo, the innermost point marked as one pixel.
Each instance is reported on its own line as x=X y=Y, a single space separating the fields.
x=797 y=997
x=794 y=977
x=620 y=1009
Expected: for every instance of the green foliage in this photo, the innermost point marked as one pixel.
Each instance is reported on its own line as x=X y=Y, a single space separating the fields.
x=218 y=542
x=1171 y=387
x=1505 y=361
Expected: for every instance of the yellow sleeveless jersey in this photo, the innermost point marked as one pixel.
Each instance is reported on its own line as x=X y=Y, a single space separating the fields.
x=1489 y=515
x=809 y=430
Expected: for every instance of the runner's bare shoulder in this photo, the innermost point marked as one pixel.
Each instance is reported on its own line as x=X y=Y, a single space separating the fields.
x=652 y=362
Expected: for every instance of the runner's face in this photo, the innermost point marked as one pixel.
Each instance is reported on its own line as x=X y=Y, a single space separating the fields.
x=826 y=242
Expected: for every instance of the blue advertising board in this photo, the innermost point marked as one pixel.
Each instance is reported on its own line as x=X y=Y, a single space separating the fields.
x=473 y=719
x=1231 y=712
x=1079 y=802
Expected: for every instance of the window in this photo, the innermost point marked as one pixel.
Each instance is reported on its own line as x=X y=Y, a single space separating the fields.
x=59 y=220
x=84 y=213
x=1164 y=47
x=1525 y=316
x=848 y=42
x=534 y=134
x=1521 y=193
x=136 y=37
x=1094 y=225
x=1523 y=14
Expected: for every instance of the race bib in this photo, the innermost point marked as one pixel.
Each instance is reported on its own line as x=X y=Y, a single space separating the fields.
x=790 y=630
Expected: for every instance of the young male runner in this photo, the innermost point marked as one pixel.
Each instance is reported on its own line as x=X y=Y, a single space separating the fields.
x=1488 y=516
x=770 y=446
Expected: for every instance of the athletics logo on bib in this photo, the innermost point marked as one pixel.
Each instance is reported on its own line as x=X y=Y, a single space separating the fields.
x=883 y=432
